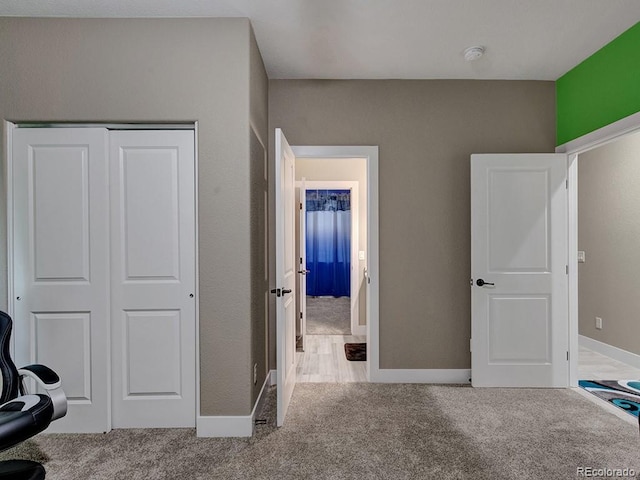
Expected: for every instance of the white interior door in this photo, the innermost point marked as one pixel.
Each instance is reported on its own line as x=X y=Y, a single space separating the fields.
x=285 y=275
x=60 y=265
x=153 y=278
x=519 y=321
x=302 y=262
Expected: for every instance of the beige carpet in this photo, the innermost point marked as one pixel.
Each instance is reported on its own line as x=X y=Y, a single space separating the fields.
x=328 y=316
x=369 y=431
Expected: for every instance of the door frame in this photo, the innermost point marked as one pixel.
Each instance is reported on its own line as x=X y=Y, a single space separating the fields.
x=7 y=131
x=370 y=154
x=351 y=185
x=573 y=149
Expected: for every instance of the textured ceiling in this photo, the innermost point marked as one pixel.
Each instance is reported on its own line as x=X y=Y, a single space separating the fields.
x=410 y=39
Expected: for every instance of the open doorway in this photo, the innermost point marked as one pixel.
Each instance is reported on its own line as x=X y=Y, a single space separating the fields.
x=287 y=266
x=331 y=246
x=608 y=230
x=591 y=349
x=328 y=250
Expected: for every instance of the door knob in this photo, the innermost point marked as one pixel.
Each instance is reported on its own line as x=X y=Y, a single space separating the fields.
x=280 y=291
x=303 y=272
x=480 y=282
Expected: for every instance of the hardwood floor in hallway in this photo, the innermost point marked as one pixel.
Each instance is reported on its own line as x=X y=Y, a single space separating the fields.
x=596 y=366
x=324 y=360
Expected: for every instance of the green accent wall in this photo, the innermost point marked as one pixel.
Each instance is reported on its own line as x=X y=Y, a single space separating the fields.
x=601 y=90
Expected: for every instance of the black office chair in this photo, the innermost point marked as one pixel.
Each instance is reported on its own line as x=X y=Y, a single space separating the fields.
x=23 y=415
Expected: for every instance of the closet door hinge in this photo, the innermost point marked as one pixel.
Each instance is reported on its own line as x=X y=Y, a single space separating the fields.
x=566 y=184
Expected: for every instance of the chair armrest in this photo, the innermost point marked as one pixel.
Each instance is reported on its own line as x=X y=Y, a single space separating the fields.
x=50 y=381
x=43 y=375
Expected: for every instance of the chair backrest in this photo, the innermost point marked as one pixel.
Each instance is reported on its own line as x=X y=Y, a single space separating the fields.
x=8 y=370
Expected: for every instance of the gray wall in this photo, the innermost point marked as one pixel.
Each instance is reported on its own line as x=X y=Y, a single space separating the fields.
x=259 y=89
x=609 y=233
x=426 y=131
x=158 y=70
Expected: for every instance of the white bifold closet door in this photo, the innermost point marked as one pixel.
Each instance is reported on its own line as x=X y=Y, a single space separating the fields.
x=153 y=278
x=60 y=265
x=103 y=271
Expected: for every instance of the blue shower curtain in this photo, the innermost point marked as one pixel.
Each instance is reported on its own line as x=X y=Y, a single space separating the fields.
x=328 y=242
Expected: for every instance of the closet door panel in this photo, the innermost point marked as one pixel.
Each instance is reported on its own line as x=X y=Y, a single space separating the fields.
x=153 y=278
x=60 y=265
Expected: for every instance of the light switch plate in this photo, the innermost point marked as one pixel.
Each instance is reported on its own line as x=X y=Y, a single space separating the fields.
x=581 y=257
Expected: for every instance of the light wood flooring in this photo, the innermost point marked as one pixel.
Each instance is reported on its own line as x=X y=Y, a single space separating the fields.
x=324 y=361
x=596 y=366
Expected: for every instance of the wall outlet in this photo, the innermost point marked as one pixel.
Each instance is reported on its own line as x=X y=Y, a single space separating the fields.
x=255 y=373
x=599 y=323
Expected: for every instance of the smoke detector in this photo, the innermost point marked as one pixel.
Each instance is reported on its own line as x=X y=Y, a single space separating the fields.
x=473 y=53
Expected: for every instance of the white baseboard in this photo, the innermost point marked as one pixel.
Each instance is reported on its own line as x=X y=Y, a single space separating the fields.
x=421 y=376
x=220 y=426
x=616 y=353
x=235 y=425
